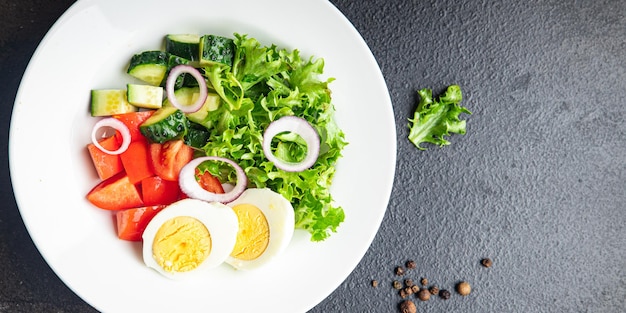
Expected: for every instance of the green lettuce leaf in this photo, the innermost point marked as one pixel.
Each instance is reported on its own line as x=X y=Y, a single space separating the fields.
x=266 y=83
x=435 y=118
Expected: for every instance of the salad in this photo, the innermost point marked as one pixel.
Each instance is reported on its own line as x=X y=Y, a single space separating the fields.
x=255 y=116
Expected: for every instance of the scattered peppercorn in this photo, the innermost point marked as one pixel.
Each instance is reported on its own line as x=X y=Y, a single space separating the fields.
x=423 y=294
x=399 y=271
x=410 y=264
x=403 y=294
x=463 y=288
x=421 y=290
x=407 y=306
x=444 y=294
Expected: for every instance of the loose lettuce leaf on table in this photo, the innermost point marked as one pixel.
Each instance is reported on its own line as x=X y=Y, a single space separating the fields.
x=435 y=118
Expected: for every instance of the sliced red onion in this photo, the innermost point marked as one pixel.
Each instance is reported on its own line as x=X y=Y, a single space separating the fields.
x=189 y=185
x=301 y=127
x=171 y=81
x=118 y=126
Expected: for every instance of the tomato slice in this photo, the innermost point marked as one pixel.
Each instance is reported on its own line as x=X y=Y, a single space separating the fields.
x=133 y=120
x=132 y=222
x=106 y=164
x=209 y=182
x=115 y=193
x=136 y=161
x=169 y=158
x=156 y=190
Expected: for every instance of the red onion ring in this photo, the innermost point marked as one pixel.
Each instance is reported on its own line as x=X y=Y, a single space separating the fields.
x=171 y=81
x=118 y=126
x=301 y=127
x=189 y=185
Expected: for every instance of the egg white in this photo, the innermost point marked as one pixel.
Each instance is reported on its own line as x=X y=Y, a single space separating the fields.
x=219 y=219
x=280 y=218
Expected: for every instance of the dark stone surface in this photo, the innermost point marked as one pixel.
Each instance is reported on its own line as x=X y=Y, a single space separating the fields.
x=538 y=183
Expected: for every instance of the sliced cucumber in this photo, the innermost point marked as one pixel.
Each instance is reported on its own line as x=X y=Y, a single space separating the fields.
x=149 y=66
x=190 y=81
x=105 y=102
x=211 y=104
x=189 y=95
x=216 y=49
x=197 y=136
x=167 y=123
x=172 y=62
x=183 y=45
x=144 y=96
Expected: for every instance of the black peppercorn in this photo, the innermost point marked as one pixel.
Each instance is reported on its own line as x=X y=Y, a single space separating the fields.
x=399 y=271
x=423 y=295
x=407 y=306
x=444 y=294
x=463 y=288
x=411 y=264
x=403 y=294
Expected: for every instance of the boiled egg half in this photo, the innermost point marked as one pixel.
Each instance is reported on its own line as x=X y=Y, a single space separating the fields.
x=189 y=235
x=266 y=225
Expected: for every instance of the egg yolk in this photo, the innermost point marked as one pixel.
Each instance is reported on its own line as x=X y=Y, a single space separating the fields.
x=181 y=244
x=253 y=235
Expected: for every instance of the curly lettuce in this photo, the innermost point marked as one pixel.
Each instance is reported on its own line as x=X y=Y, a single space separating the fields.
x=436 y=118
x=264 y=84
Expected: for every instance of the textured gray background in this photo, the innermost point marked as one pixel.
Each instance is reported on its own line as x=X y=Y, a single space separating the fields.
x=538 y=183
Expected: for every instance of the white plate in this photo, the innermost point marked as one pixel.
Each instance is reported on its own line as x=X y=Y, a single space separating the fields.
x=88 y=48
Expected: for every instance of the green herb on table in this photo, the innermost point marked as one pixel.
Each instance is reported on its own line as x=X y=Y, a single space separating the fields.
x=436 y=118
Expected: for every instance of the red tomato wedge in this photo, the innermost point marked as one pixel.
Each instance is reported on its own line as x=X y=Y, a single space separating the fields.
x=209 y=182
x=132 y=222
x=169 y=158
x=115 y=193
x=156 y=190
x=106 y=164
x=136 y=161
x=132 y=121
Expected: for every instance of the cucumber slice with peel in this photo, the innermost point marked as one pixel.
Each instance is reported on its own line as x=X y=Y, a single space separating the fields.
x=183 y=45
x=189 y=95
x=172 y=62
x=197 y=136
x=149 y=66
x=216 y=49
x=167 y=123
